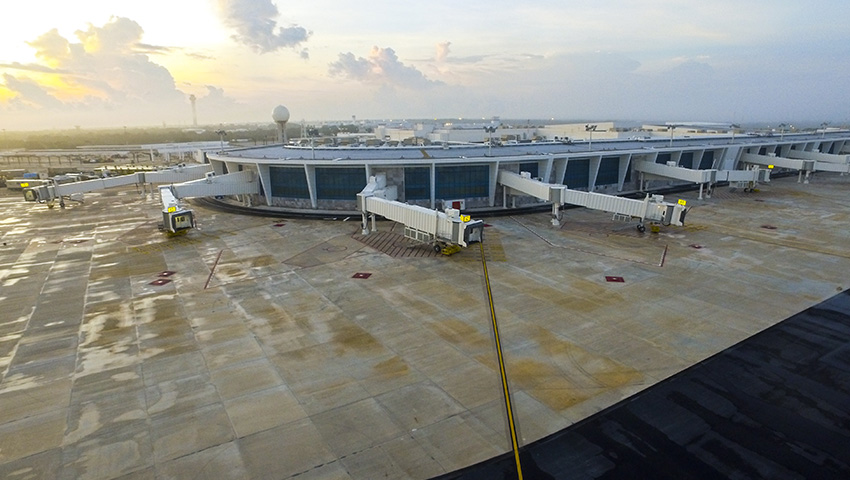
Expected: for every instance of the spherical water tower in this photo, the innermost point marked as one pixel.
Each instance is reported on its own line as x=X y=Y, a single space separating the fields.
x=280 y=115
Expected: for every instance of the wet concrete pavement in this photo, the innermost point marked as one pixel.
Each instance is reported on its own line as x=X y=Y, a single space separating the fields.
x=248 y=349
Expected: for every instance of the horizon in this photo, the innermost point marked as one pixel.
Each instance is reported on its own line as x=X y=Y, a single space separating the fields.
x=515 y=122
x=754 y=123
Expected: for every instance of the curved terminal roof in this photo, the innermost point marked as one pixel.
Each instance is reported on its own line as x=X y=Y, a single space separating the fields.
x=467 y=151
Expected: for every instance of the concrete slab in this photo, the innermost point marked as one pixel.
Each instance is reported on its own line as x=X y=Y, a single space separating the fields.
x=275 y=362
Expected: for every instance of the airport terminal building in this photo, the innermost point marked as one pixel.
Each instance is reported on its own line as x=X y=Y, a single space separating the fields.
x=320 y=179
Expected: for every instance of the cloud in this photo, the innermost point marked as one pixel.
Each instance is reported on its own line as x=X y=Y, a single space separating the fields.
x=382 y=67
x=29 y=93
x=51 y=47
x=443 y=56
x=118 y=36
x=255 y=24
x=153 y=49
x=30 y=67
x=105 y=70
x=199 y=56
x=442 y=51
x=107 y=63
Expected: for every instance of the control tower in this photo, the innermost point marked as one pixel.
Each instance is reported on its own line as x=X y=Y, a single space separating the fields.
x=280 y=115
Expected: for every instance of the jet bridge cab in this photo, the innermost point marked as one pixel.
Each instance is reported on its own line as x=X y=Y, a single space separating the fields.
x=178 y=221
x=472 y=231
x=36 y=194
x=175 y=220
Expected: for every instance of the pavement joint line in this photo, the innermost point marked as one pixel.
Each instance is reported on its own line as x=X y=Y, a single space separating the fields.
x=589 y=252
x=212 y=270
x=796 y=245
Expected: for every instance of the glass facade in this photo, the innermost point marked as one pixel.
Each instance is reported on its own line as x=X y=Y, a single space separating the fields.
x=578 y=172
x=609 y=171
x=417 y=183
x=707 y=160
x=289 y=182
x=530 y=167
x=465 y=181
x=339 y=183
x=687 y=160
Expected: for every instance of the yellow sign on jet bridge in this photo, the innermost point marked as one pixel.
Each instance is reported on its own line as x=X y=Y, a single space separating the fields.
x=25 y=184
x=172 y=209
x=682 y=202
x=465 y=218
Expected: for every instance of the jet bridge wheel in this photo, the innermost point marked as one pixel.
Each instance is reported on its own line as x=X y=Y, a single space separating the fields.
x=437 y=248
x=641 y=227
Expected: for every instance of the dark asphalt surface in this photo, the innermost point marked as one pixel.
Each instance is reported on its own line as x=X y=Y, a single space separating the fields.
x=776 y=406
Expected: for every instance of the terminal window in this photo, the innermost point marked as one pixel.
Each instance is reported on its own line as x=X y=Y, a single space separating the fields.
x=531 y=167
x=465 y=181
x=339 y=183
x=289 y=182
x=707 y=160
x=609 y=171
x=578 y=173
x=687 y=160
x=417 y=183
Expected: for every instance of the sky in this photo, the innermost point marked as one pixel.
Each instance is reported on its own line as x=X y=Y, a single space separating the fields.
x=108 y=63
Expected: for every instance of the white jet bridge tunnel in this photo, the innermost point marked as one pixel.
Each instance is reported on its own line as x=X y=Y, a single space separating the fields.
x=180 y=182
x=75 y=190
x=176 y=219
x=652 y=208
x=747 y=179
x=420 y=224
x=804 y=161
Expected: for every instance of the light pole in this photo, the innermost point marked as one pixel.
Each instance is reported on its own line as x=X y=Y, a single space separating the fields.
x=671 y=128
x=734 y=126
x=221 y=134
x=490 y=130
x=781 y=131
x=590 y=129
x=823 y=127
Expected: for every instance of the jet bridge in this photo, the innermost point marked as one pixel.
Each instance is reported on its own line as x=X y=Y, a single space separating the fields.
x=59 y=191
x=747 y=179
x=177 y=220
x=805 y=164
x=181 y=182
x=237 y=183
x=442 y=230
x=823 y=161
x=653 y=208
